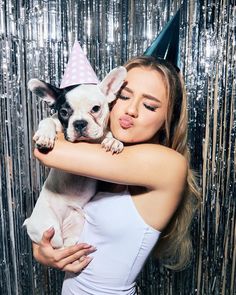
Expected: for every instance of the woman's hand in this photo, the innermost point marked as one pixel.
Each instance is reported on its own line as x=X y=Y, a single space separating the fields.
x=72 y=259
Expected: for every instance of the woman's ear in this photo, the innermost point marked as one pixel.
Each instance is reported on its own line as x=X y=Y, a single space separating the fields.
x=44 y=90
x=113 y=81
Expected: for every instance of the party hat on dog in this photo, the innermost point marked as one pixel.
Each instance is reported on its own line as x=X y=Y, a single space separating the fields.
x=166 y=44
x=78 y=69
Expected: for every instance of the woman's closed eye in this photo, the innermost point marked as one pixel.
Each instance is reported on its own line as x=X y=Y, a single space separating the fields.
x=150 y=107
x=122 y=96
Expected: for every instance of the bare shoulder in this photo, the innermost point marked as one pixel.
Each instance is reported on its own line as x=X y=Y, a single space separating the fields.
x=165 y=151
x=167 y=165
x=162 y=153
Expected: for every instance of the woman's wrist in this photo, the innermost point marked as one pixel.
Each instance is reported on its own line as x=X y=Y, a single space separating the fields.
x=47 y=158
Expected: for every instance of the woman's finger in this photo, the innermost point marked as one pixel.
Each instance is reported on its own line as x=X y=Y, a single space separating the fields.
x=78 y=256
x=47 y=236
x=77 y=266
x=66 y=252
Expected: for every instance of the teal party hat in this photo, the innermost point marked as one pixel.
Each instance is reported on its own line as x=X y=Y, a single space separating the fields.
x=166 y=44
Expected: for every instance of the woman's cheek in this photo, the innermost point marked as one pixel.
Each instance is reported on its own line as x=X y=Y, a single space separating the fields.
x=114 y=118
x=113 y=127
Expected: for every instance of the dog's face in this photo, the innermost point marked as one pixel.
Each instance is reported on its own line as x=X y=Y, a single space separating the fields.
x=84 y=113
x=83 y=110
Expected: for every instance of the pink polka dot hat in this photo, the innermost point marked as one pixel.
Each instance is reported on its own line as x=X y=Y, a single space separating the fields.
x=78 y=69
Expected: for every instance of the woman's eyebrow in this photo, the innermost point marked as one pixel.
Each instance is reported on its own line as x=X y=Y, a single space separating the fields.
x=149 y=96
x=128 y=89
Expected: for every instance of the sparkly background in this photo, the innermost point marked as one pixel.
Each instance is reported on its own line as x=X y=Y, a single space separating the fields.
x=35 y=38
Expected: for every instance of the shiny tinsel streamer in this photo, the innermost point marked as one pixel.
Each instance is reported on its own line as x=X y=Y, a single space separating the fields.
x=36 y=37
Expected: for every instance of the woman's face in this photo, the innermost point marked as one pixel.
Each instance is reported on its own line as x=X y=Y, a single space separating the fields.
x=141 y=107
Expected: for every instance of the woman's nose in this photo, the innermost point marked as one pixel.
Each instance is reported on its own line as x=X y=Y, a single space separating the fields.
x=132 y=109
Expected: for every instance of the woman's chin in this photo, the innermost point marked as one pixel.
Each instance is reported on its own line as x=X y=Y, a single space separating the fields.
x=127 y=139
x=124 y=139
x=126 y=136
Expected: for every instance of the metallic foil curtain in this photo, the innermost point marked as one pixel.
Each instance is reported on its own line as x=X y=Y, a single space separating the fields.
x=36 y=37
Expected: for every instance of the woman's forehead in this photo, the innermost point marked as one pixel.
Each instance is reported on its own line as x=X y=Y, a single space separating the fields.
x=146 y=80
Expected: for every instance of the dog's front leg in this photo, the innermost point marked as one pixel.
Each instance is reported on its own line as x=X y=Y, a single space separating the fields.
x=112 y=144
x=46 y=134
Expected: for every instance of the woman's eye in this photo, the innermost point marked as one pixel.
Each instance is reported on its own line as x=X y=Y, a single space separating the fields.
x=95 y=109
x=64 y=113
x=151 y=108
x=121 y=96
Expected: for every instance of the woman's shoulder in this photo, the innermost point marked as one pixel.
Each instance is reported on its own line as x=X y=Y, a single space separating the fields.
x=171 y=156
x=161 y=153
x=165 y=164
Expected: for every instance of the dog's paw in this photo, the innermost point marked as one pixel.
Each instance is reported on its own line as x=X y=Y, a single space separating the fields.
x=112 y=144
x=44 y=140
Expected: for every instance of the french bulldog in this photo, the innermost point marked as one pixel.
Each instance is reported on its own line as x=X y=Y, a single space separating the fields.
x=82 y=113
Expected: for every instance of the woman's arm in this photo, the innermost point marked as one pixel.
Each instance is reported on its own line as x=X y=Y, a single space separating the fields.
x=148 y=165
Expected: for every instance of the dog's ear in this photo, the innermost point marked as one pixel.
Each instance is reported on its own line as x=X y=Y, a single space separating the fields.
x=44 y=90
x=112 y=83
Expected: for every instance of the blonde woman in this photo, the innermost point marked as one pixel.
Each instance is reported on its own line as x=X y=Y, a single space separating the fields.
x=147 y=194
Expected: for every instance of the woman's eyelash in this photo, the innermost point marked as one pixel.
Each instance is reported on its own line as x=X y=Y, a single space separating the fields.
x=122 y=96
x=151 y=108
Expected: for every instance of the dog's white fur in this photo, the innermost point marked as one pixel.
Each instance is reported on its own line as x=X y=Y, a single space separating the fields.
x=61 y=201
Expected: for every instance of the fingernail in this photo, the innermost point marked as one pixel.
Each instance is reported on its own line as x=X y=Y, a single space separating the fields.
x=86 y=246
x=93 y=248
x=50 y=229
x=90 y=258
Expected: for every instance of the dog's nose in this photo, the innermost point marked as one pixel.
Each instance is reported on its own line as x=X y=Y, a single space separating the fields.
x=80 y=125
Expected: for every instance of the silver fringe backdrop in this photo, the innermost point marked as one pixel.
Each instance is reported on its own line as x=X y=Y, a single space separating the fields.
x=35 y=39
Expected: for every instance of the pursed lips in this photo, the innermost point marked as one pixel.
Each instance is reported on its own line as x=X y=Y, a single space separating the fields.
x=126 y=121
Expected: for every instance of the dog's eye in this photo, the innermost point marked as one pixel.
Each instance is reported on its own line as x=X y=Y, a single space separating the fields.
x=95 y=109
x=64 y=113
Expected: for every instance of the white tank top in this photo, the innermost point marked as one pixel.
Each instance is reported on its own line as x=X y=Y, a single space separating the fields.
x=123 y=241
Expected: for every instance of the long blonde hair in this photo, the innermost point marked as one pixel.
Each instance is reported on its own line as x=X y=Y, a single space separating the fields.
x=174 y=247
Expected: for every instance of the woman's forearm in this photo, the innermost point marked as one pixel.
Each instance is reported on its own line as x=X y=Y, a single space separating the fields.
x=143 y=164
x=81 y=158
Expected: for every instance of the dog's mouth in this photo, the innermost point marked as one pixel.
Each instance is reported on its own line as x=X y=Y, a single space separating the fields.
x=77 y=136
x=82 y=136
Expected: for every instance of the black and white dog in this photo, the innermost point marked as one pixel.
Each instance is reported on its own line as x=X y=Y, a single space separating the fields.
x=82 y=113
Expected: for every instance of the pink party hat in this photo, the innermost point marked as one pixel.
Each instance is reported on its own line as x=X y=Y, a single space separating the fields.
x=78 y=69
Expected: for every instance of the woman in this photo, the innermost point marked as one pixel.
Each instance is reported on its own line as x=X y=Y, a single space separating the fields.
x=151 y=194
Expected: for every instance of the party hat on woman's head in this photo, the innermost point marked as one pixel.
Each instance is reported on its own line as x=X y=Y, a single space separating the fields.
x=78 y=69
x=166 y=44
